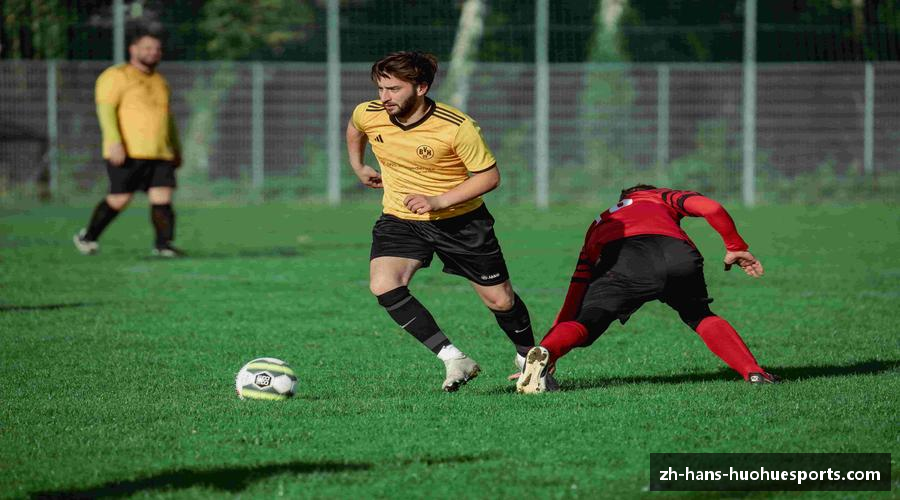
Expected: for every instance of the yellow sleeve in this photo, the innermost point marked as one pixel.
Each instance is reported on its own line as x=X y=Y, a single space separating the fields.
x=108 y=89
x=471 y=148
x=109 y=123
x=357 y=118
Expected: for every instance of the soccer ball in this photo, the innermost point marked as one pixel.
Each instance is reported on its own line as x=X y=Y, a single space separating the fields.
x=265 y=378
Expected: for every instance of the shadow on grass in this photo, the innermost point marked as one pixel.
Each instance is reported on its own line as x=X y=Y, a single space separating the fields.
x=274 y=252
x=43 y=307
x=240 y=253
x=231 y=479
x=787 y=374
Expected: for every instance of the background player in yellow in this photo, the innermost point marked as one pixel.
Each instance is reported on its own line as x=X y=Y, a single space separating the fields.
x=140 y=145
x=435 y=166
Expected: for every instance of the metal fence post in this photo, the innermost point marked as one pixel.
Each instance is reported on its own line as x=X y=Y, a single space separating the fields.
x=118 y=31
x=541 y=105
x=334 y=103
x=52 y=129
x=749 y=177
x=662 y=117
x=869 y=122
x=258 y=130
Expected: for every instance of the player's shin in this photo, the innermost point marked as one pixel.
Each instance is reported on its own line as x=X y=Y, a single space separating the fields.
x=163 y=218
x=722 y=339
x=412 y=316
x=516 y=323
x=563 y=338
x=101 y=217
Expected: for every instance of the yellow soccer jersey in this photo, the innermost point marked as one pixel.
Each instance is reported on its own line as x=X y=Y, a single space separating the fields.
x=142 y=109
x=430 y=157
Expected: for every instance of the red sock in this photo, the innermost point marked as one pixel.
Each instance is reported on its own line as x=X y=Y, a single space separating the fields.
x=563 y=338
x=725 y=343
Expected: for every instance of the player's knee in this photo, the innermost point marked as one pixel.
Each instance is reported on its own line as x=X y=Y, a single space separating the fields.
x=379 y=285
x=393 y=297
x=118 y=201
x=500 y=302
x=596 y=321
x=693 y=316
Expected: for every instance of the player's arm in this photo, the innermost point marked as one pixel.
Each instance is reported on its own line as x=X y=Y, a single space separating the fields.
x=581 y=279
x=174 y=141
x=109 y=127
x=715 y=214
x=469 y=145
x=106 y=95
x=356 y=150
x=476 y=185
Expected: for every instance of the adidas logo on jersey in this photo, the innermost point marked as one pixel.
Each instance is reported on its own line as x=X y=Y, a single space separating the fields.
x=379 y=139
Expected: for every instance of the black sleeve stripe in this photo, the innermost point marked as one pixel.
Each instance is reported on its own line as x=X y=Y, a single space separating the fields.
x=448 y=118
x=665 y=196
x=374 y=110
x=682 y=199
x=581 y=280
x=448 y=112
x=584 y=261
x=484 y=170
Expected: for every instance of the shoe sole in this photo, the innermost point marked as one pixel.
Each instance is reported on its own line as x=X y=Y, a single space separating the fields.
x=532 y=380
x=459 y=383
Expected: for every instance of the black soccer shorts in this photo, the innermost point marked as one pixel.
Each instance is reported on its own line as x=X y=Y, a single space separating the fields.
x=466 y=244
x=140 y=175
x=636 y=270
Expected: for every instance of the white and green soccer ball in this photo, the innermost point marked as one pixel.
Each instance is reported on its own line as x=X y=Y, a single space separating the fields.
x=266 y=378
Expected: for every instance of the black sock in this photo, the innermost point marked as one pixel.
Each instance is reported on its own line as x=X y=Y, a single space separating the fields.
x=163 y=218
x=517 y=324
x=102 y=216
x=412 y=316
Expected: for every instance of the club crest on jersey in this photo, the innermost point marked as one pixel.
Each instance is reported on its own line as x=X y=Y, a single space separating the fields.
x=425 y=152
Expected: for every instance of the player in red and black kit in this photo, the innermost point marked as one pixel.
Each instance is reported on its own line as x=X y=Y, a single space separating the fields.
x=636 y=252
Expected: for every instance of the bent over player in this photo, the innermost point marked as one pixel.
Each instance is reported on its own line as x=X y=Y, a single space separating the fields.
x=435 y=166
x=636 y=252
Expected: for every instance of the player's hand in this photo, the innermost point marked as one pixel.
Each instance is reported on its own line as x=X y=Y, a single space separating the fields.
x=369 y=176
x=117 y=154
x=747 y=262
x=421 y=204
x=176 y=162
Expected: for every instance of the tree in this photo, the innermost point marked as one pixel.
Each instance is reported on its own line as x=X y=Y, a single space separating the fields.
x=34 y=29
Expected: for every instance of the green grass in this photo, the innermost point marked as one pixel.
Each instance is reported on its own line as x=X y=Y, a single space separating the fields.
x=118 y=369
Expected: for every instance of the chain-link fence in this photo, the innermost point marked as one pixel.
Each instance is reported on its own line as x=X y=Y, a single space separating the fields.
x=258 y=130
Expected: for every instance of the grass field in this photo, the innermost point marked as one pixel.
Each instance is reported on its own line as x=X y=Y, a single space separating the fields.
x=118 y=369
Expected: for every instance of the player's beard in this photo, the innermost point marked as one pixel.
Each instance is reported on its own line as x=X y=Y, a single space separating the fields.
x=404 y=109
x=149 y=62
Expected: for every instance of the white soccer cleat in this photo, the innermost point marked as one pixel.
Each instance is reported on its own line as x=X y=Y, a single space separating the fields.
x=550 y=383
x=168 y=252
x=534 y=374
x=459 y=371
x=86 y=247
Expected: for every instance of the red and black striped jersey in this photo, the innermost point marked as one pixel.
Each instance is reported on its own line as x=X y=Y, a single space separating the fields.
x=651 y=211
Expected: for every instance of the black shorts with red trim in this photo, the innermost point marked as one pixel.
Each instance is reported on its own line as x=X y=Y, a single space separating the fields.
x=636 y=270
x=466 y=244
x=140 y=175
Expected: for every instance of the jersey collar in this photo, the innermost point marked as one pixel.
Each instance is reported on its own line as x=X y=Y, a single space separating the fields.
x=431 y=106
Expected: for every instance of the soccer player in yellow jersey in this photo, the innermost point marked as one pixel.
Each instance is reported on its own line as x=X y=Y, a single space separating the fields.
x=140 y=145
x=434 y=167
